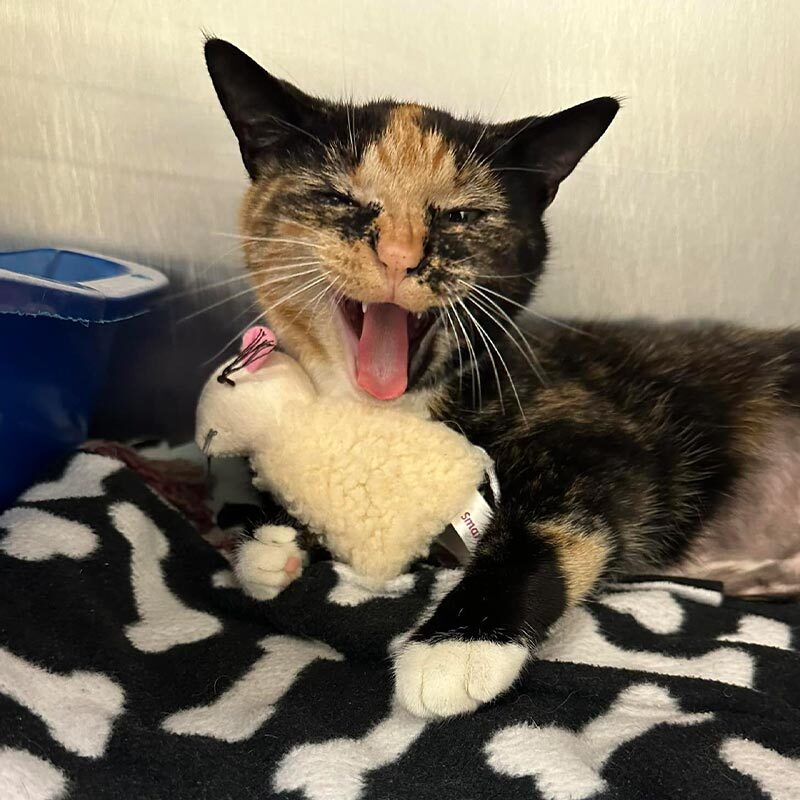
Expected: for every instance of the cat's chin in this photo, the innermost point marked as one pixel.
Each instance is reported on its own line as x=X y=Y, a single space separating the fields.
x=387 y=347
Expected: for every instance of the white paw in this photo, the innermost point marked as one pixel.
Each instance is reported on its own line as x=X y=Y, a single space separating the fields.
x=269 y=562
x=454 y=677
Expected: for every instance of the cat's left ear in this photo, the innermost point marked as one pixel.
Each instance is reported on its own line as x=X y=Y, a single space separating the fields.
x=549 y=148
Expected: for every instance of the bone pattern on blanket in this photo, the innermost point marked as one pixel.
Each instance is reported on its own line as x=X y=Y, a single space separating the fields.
x=164 y=621
x=698 y=594
x=329 y=729
x=776 y=775
x=754 y=629
x=79 y=709
x=83 y=477
x=568 y=765
x=250 y=702
x=656 y=610
x=36 y=535
x=350 y=590
x=336 y=769
x=24 y=776
x=577 y=638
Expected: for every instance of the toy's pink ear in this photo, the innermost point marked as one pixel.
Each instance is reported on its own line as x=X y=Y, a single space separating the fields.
x=260 y=341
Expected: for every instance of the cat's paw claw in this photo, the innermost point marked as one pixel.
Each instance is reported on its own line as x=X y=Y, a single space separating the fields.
x=445 y=678
x=266 y=564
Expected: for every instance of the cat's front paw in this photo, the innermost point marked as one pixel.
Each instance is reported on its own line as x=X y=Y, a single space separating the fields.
x=266 y=564
x=448 y=677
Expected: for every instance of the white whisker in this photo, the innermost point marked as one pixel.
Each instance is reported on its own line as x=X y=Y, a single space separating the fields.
x=529 y=310
x=226 y=299
x=248 y=290
x=560 y=324
x=340 y=294
x=297 y=222
x=270 y=239
x=309 y=284
x=488 y=339
x=488 y=123
x=236 y=248
x=254 y=304
x=315 y=299
x=488 y=343
x=530 y=355
x=304 y=288
x=458 y=349
x=350 y=131
x=498 y=277
x=330 y=288
x=476 y=374
x=520 y=169
x=511 y=138
x=244 y=276
x=297 y=128
x=206 y=286
x=494 y=304
x=287 y=267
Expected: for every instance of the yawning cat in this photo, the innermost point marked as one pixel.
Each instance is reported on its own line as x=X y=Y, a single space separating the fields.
x=394 y=249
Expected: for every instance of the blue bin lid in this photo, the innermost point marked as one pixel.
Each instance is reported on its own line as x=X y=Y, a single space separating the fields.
x=73 y=285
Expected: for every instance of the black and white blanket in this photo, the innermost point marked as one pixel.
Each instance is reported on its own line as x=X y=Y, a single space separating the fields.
x=132 y=667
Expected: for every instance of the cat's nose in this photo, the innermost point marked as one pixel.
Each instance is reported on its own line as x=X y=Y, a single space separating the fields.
x=400 y=255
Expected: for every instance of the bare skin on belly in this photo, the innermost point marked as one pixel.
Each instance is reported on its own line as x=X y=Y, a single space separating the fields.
x=753 y=543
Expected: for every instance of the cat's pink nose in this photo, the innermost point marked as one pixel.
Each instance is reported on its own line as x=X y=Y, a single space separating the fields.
x=399 y=256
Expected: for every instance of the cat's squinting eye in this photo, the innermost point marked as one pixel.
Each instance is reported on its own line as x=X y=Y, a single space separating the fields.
x=334 y=198
x=462 y=215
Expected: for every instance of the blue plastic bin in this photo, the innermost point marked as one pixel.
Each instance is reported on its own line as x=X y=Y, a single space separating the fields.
x=60 y=311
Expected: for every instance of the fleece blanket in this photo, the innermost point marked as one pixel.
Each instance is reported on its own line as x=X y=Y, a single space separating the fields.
x=131 y=666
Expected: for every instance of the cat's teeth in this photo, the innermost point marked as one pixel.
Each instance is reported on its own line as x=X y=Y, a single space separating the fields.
x=418 y=315
x=364 y=308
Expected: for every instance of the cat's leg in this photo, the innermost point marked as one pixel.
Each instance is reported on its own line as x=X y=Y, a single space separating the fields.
x=546 y=549
x=479 y=638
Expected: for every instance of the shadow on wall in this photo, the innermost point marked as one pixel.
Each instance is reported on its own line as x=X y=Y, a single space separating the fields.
x=156 y=374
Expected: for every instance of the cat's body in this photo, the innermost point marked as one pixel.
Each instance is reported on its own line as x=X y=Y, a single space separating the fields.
x=616 y=446
x=699 y=423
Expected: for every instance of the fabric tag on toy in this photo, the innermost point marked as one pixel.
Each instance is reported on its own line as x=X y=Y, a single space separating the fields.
x=472 y=522
x=462 y=535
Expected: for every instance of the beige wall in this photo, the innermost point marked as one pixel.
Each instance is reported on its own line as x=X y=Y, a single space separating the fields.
x=111 y=138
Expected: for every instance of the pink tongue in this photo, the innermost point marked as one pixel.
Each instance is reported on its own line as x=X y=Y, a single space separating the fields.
x=382 y=361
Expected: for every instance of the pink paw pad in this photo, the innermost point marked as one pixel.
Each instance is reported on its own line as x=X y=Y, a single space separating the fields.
x=292 y=565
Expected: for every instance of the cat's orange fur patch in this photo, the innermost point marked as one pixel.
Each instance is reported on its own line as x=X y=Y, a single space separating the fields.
x=408 y=169
x=267 y=261
x=582 y=557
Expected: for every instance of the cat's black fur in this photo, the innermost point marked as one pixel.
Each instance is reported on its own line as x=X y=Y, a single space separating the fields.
x=626 y=438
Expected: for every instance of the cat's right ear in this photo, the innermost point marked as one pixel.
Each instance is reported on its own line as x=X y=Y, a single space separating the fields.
x=266 y=113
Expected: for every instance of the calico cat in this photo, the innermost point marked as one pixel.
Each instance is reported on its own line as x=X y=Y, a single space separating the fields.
x=394 y=249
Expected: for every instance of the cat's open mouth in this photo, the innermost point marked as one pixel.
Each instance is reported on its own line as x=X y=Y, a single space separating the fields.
x=389 y=345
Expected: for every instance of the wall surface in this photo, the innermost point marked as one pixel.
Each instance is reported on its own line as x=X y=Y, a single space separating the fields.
x=111 y=138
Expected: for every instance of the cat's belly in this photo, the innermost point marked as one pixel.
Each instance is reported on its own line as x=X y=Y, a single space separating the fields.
x=752 y=544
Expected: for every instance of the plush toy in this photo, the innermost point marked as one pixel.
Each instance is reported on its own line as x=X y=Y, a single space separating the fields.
x=375 y=483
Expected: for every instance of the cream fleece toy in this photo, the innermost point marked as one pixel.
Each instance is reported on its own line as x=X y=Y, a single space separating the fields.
x=376 y=484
